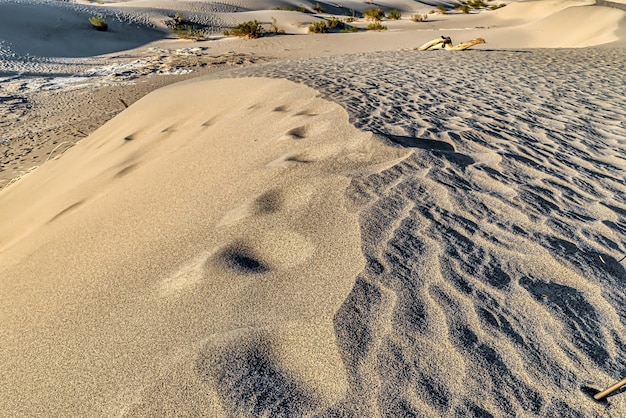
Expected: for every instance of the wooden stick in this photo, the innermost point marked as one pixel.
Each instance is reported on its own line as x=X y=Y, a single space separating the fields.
x=609 y=390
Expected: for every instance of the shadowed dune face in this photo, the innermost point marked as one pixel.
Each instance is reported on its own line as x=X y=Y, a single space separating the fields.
x=492 y=285
x=60 y=29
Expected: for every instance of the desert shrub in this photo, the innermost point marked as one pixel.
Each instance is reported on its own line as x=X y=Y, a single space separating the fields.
x=185 y=29
x=318 y=8
x=394 y=14
x=318 y=27
x=250 y=29
x=98 y=22
x=334 y=22
x=376 y=26
x=374 y=14
x=419 y=17
x=442 y=9
x=179 y=18
x=348 y=29
x=497 y=6
x=477 y=4
x=349 y=19
x=300 y=9
x=463 y=8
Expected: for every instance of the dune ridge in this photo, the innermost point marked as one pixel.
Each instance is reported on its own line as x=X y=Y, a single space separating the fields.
x=150 y=244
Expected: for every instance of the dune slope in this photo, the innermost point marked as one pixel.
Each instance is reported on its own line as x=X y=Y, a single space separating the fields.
x=205 y=223
x=492 y=284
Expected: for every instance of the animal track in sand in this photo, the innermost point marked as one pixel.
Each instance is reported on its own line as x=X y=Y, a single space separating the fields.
x=266 y=203
x=282 y=108
x=242 y=259
x=209 y=122
x=170 y=128
x=289 y=160
x=67 y=210
x=298 y=133
x=305 y=113
x=269 y=202
x=126 y=170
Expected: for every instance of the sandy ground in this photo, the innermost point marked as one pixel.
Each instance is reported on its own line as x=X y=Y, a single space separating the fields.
x=312 y=225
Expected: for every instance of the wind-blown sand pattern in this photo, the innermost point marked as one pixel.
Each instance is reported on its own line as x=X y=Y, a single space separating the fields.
x=381 y=234
x=492 y=284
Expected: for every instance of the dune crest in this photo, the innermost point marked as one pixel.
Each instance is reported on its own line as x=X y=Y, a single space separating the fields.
x=176 y=223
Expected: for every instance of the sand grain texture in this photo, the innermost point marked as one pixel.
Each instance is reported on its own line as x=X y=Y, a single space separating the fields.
x=355 y=229
x=192 y=232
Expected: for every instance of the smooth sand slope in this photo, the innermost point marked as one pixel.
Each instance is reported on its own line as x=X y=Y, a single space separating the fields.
x=154 y=247
x=381 y=233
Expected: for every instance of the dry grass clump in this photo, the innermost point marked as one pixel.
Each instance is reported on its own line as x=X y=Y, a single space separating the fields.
x=477 y=4
x=496 y=6
x=348 y=29
x=394 y=14
x=376 y=26
x=318 y=27
x=318 y=8
x=419 y=17
x=300 y=9
x=251 y=29
x=334 y=22
x=185 y=29
x=376 y=14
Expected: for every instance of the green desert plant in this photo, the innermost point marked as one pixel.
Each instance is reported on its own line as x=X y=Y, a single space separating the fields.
x=349 y=19
x=376 y=26
x=318 y=27
x=477 y=4
x=179 y=18
x=98 y=22
x=442 y=9
x=185 y=29
x=394 y=14
x=374 y=14
x=497 y=6
x=188 y=31
x=318 y=8
x=333 y=22
x=300 y=9
x=251 y=29
x=348 y=29
x=463 y=8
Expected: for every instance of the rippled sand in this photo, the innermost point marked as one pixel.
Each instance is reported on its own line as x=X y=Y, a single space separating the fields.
x=394 y=233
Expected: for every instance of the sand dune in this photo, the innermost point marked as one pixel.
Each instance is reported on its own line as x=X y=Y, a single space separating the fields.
x=503 y=221
x=354 y=229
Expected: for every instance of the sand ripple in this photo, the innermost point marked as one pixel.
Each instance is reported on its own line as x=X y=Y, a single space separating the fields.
x=492 y=285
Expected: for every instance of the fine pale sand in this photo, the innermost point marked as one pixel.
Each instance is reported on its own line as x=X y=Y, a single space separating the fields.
x=337 y=225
